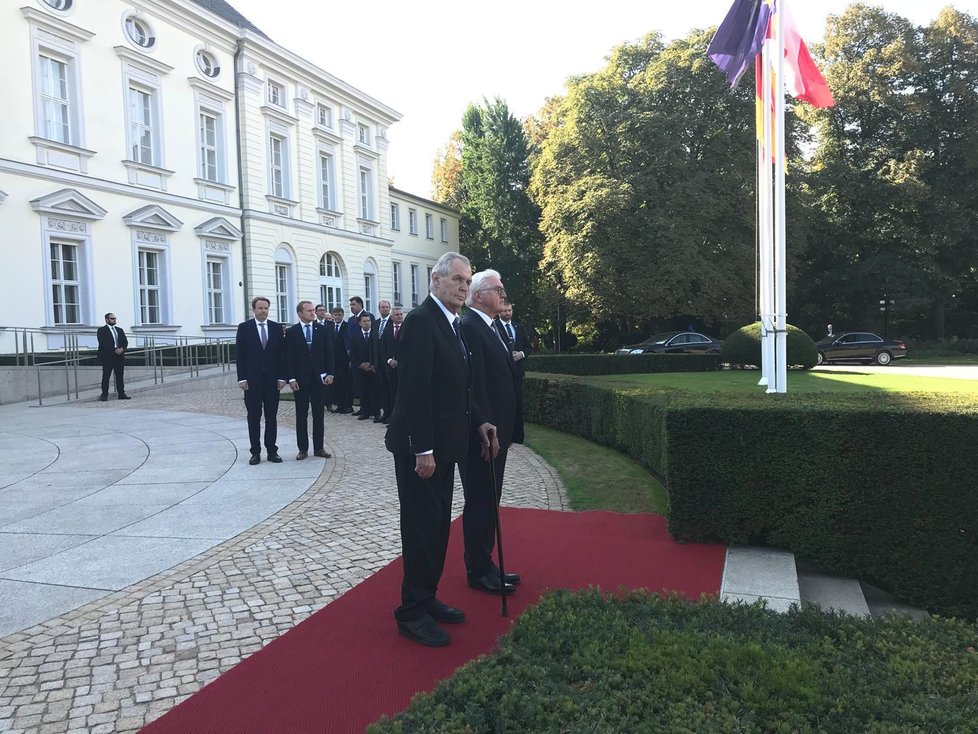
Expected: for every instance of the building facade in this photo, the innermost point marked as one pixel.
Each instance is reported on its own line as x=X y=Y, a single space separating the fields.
x=167 y=161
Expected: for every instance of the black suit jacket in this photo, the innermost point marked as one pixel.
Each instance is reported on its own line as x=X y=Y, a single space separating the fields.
x=353 y=324
x=363 y=350
x=433 y=409
x=341 y=357
x=304 y=364
x=106 y=347
x=494 y=379
x=254 y=363
x=520 y=344
x=388 y=346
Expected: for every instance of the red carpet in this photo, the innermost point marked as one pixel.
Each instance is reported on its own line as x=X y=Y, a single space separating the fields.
x=339 y=670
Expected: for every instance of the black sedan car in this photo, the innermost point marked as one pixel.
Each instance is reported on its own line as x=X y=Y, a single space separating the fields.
x=860 y=346
x=675 y=342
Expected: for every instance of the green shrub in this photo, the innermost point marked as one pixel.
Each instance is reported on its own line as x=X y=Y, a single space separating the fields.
x=743 y=347
x=612 y=364
x=586 y=662
x=878 y=485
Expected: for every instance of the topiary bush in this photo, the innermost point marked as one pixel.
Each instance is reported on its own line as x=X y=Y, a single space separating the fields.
x=743 y=347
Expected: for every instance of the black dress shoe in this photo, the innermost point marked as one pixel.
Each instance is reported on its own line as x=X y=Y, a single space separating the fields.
x=489 y=584
x=513 y=578
x=363 y=417
x=103 y=398
x=124 y=397
x=255 y=459
x=424 y=631
x=344 y=410
x=378 y=419
x=355 y=414
x=323 y=454
x=443 y=613
x=276 y=459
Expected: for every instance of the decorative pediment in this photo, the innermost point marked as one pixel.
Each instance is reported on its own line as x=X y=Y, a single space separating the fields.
x=68 y=203
x=153 y=216
x=218 y=228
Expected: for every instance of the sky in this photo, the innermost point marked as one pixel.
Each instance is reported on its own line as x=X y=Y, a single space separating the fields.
x=429 y=59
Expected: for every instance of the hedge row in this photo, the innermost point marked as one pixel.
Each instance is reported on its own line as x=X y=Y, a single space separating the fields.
x=612 y=364
x=878 y=486
x=586 y=662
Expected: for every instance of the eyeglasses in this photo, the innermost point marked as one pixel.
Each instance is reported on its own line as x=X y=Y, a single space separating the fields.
x=499 y=289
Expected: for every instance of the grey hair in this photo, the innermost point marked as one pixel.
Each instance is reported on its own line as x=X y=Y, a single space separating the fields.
x=477 y=280
x=444 y=265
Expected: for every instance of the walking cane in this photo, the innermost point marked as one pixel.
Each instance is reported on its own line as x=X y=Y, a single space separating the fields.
x=499 y=529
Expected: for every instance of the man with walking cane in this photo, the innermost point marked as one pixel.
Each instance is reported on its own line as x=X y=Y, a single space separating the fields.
x=494 y=391
x=434 y=416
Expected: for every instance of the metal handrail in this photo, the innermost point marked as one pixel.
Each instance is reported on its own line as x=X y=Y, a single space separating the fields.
x=184 y=353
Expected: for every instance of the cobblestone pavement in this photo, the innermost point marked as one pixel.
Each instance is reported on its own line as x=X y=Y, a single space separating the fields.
x=118 y=663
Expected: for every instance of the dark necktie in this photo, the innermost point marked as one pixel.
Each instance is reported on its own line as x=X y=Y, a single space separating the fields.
x=264 y=335
x=396 y=328
x=512 y=335
x=456 y=324
x=380 y=329
x=309 y=336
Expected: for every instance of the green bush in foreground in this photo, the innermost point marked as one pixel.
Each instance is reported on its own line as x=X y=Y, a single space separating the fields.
x=586 y=662
x=743 y=347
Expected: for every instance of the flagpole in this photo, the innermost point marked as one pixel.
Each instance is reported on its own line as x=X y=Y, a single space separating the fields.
x=766 y=234
x=781 y=311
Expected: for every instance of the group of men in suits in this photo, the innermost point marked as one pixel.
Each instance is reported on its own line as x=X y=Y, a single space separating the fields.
x=269 y=357
x=457 y=403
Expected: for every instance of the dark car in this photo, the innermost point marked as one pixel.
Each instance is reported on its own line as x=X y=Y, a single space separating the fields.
x=675 y=342
x=860 y=346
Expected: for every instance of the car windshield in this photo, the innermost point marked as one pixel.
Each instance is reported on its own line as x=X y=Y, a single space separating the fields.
x=660 y=338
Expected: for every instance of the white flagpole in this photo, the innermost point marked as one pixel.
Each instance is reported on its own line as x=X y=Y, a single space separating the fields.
x=781 y=311
x=766 y=233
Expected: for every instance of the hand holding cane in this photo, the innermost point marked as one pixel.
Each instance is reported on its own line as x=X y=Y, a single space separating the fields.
x=499 y=531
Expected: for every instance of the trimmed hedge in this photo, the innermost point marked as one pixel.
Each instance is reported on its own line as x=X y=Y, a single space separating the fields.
x=877 y=485
x=743 y=347
x=612 y=364
x=586 y=662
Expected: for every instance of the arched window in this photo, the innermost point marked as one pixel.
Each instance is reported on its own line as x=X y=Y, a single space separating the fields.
x=284 y=285
x=331 y=281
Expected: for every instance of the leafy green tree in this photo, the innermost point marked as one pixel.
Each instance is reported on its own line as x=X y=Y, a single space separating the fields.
x=446 y=175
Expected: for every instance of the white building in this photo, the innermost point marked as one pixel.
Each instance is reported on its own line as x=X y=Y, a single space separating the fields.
x=166 y=161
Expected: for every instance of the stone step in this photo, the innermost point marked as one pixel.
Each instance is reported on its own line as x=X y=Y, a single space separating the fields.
x=751 y=573
x=833 y=593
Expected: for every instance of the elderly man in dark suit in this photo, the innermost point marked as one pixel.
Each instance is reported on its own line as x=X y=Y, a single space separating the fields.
x=429 y=434
x=387 y=359
x=309 y=368
x=494 y=390
x=112 y=345
x=259 y=348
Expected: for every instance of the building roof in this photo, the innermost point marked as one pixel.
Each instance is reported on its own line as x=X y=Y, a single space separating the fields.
x=223 y=9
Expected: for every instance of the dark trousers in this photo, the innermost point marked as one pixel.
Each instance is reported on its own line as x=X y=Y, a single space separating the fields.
x=426 y=518
x=391 y=393
x=369 y=396
x=478 y=518
x=342 y=387
x=113 y=364
x=311 y=393
x=262 y=397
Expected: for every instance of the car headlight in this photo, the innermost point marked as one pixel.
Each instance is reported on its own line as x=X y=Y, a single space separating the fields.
x=637 y=351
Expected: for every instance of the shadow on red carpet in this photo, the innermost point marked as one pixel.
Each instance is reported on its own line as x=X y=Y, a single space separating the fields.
x=344 y=666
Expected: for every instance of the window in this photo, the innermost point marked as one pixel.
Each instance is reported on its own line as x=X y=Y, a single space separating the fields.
x=277 y=166
x=327 y=174
x=413 y=221
x=275 y=93
x=396 y=216
x=209 y=152
x=139 y=32
x=429 y=226
x=324 y=115
x=444 y=229
x=396 y=269
x=414 y=285
x=429 y=275
x=369 y=286
x=330 y=282
x=208 y=64
x=363 y=134
x=56 y=118
x=149 y=287
x=284 y=289
x=66 y=282
x=62 y=5
x=143 y=133
x=366 y=193
x=215 y=290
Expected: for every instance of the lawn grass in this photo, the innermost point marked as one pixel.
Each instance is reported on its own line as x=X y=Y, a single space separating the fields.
x=596 y=477
x=745 y=382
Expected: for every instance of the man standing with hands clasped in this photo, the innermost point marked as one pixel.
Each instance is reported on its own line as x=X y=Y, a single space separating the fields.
x=309 y=367
x=494 y=391
x=258 y=346
x=112 y=345
x=429 y=432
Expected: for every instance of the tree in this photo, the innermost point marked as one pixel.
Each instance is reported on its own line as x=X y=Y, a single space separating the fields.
x=646 y=187
x=446 y=175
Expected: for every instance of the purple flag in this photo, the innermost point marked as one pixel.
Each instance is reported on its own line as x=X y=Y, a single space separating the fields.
x=738 y=39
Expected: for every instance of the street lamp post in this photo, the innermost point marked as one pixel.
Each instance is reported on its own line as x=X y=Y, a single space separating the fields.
x=885 y=305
